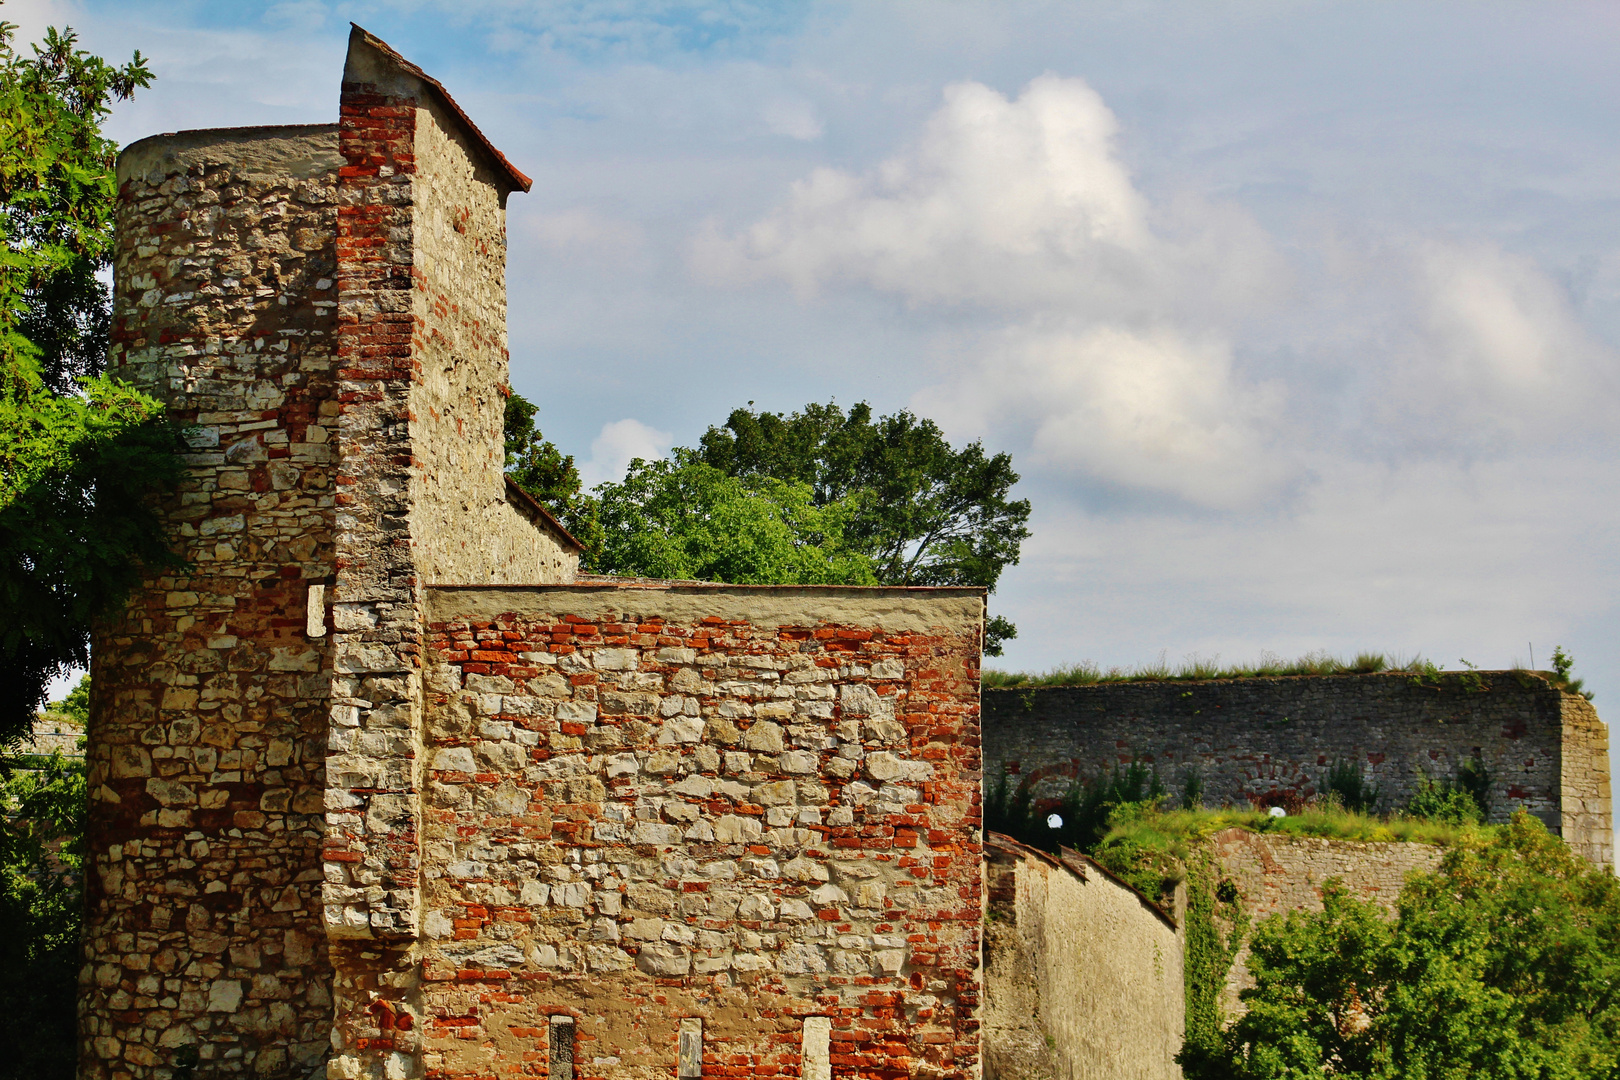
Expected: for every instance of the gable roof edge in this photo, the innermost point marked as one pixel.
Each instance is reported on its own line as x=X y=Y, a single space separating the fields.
x=519 y=180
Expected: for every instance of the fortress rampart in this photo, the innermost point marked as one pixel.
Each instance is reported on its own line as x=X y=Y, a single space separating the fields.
x=1545 y=749
x=375 y=791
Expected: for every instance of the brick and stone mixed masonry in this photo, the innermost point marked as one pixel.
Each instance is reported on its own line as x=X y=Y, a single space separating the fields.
x=377 y=790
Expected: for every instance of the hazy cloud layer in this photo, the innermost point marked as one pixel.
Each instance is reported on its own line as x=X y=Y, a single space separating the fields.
x=1299 y=320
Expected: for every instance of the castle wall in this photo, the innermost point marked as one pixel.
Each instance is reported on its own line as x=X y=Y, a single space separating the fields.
x=1257 y=738
x=206 y=745
x=468 y=531
x=1080 y=966
x=1585 y=803
x=1276 y=874
x=756 y=809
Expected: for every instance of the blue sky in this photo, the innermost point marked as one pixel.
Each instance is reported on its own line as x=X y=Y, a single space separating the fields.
x=1299 y=319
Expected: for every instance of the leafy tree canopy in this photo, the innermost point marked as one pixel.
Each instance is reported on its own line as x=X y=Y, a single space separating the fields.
x=682 y=518
x=1504 y=964
x=545 y=472
x=79 y=452
x=816 y=496
x=923 y=511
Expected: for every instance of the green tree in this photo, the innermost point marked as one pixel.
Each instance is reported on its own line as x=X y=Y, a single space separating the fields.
x=42 y=812
x=80 y=454
x=684 y=519
x=536 y=465
x=924 y=512
x=1503 y=964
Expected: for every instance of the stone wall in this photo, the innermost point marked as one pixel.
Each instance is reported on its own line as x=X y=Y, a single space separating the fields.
x=751 y=811
x=1080 y=966
x=1276 y=874
x=468 y=530
x=208 y=714
x=267 y=286
x=753 y=808
x=1259 y=739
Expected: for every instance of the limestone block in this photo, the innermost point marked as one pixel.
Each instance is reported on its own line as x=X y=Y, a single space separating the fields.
x=764 y=736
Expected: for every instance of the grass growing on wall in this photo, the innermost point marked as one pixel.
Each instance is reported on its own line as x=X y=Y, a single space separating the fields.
x=1195 y=668
x=1087 y=673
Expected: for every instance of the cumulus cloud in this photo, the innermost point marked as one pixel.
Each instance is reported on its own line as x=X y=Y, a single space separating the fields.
x=1506 y=353
x=621 y=442
x=1151 y=410
x=1113 y=355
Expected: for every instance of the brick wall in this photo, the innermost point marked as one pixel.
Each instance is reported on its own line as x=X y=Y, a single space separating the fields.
x=208 y=720
x=745 y=806
x=1257 y=738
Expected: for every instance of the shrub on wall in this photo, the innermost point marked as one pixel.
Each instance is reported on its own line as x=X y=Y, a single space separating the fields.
x=1502 y=964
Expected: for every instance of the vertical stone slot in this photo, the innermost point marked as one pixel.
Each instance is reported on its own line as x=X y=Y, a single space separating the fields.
x=691 y=1063
x=562 y=1048
x=816 y=1060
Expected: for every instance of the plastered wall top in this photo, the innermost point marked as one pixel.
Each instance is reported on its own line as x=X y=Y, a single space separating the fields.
x=892 y=608
x=295 y=150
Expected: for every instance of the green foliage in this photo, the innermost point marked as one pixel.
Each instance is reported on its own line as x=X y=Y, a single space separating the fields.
x=1345 y=782
x=1194 y=668
x=57 y=193
x=1211 y=947
x=1503 y=964
x=1008 y=808
x=1085 y=807
x=536 y=465
x=1563 y=664
x=41 y=899
x=1462 y=801
x=80 y=454
x=1148 y=845
x=922 y=511
x=684 y=519
x=1192 y=788
x=76 y=522
x=76 y=706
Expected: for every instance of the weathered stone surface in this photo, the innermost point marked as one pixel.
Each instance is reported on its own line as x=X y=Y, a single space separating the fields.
x=329 y=829
x=1263 y=739
x=708 y=882
x=1083 y=977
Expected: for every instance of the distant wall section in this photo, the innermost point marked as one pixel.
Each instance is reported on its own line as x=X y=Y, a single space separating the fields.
x=1249 y=739
x=1276 y=874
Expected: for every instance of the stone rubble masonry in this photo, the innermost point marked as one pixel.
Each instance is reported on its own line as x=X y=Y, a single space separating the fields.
x=745 y=805
x=207 y=740
x=323 y=307
x=1275 y=874
x=1083 y=976
x=1257 y=739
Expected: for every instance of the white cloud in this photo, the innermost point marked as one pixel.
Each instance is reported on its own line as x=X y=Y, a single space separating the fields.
x=1504 y=337
x=1150 y=410
x=1111 y=357
x=621 y=442
x=793 y=117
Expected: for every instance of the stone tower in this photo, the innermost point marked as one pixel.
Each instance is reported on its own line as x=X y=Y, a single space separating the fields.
x=377 y=788
x=326 y=306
